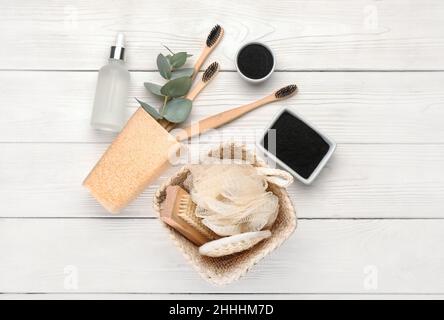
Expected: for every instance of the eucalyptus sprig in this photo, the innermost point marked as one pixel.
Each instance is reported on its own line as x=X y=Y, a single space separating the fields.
x=175 y=108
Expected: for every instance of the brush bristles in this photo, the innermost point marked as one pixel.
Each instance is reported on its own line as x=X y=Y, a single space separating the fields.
x=186 y=204
x=186 y=211
x=214 y=35
x=210 y=72
x=286 y=91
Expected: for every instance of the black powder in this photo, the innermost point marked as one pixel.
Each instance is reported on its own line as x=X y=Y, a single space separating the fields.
x=255 y=61
x=297 y=145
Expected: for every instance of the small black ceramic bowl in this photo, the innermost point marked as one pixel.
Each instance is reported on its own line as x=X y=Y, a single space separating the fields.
x=255 y=62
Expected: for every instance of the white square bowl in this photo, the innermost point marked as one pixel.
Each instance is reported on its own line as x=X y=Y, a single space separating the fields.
x=315 y=173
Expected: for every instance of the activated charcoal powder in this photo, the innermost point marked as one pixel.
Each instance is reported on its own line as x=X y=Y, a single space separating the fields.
x=255 y=61
x=297 y=144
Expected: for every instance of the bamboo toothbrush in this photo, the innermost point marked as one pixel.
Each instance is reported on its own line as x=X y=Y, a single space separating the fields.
x=207 y=76
x=212 y=41
x=230 y=115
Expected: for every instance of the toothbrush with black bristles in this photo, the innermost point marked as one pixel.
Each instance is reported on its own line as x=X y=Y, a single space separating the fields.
x=232 y=114
x=212 y=41
x=209 y=74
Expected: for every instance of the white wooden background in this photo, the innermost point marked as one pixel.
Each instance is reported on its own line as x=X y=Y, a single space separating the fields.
x=371 y=75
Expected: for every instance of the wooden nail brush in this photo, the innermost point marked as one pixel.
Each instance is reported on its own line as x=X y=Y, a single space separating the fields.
x=178 y=211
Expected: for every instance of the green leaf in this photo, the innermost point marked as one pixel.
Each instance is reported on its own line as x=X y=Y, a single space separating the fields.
x=177 y=110
x=184 y=72
x=178 y=59
x=150 y=110
x=189 y=55
x=164 y=66
x=153 y=88
x=177 y=87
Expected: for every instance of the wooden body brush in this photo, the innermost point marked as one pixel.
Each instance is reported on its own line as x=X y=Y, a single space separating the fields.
x=207 y=76
x=230 y=115
x=178 y=212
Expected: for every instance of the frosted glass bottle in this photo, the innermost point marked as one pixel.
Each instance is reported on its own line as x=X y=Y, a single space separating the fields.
x=112 y=91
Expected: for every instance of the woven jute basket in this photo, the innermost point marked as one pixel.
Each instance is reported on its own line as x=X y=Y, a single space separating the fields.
x=224 y=270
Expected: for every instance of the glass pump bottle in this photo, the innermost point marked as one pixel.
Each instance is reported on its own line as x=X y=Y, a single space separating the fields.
x=112 y=91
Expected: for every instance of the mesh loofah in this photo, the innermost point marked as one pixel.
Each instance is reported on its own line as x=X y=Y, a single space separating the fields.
x=224 y=270
x=232 y=198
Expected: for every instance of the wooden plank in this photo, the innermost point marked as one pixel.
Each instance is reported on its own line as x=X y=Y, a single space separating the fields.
x=358 y=107
x=122 y=256
x=322 y=34
x=360 y=181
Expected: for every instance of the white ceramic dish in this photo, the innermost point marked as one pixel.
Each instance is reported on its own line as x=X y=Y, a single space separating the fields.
x=315 y=173
x=250 y=79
